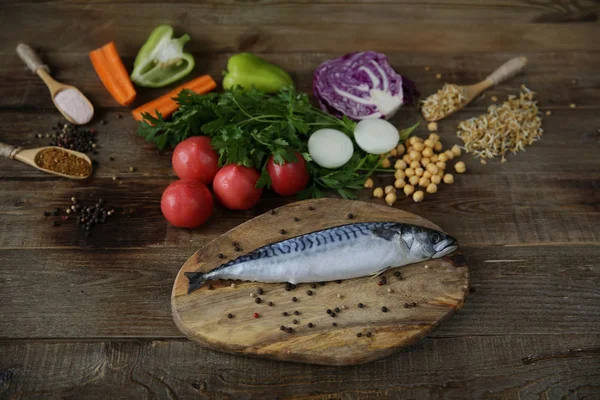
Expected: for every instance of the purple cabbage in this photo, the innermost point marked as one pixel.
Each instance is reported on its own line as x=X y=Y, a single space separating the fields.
x=361 y=85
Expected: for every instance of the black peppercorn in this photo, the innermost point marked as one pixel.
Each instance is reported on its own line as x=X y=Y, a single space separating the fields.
x=384 y=309
x=360 y=305
x=406 y=305
x=333 y=324
x=310 y=325
x=285 y=314
x=294 y=299
x=296 y=312
x=221 y=255
x=270 y=304
x=359 y=334
x=237 y=248
x=368 y=334
x=258 y=300
x=332 y=314
x=329 y=311
x=230 y=316
x=259 y=291
x=413 y=304
x=337 y=309
x=397 y=273
x=296 y=219
x=313 y=285
x=282 y=231
x=309 y=292
x=282 y=328
x=350 y=216
x=295 y=322
x=290 y=330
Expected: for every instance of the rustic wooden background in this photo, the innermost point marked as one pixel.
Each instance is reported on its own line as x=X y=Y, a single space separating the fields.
x=90 y=318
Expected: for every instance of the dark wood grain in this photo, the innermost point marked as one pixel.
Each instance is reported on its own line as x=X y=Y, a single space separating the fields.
x=489 y=367
x=558 y=78
x=548 y=289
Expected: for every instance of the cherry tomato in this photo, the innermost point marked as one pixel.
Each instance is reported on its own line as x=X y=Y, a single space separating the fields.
x=288 y=178
x=186 y=204
x=195 y=159
x=235 y=187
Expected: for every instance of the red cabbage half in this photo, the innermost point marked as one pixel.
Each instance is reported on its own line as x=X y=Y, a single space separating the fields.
x=361 y=85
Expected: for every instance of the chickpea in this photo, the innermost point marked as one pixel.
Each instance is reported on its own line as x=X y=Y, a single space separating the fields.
x=419 y=146
x=399 y=174
x=434 y=137
x=386 y=163
x=399 y=184
x=424 y=182
x=368 y=183
x=413 y=180
x=400 y=149
x=456 y=150
x=415 y=155
x=414 y=164
x=409 y=172
x=406 y=159
x=425 y=161
x=441 y=165
x=418 y=196
x=434 y=158
x=391 y=199
x=431 y=188
x=449 y=179
x=413 y=140
x=437 y=146
x=400 y=164
x=427 y=175
x=449 y=154
x=419 y=172
x=393 y=153
x=432 y=126
x=409 y=189
x=389 y=189
x=440 y=173
x=442 y=157
x=460 y=167
x=378 y=192
x=428 y=152
x=429 y=143
x=432 y=168
x=436 y=179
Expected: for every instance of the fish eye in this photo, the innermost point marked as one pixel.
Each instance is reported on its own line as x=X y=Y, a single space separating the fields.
x=435 y=237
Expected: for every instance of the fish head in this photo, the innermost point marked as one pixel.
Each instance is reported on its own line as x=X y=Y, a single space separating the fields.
x=424 y=243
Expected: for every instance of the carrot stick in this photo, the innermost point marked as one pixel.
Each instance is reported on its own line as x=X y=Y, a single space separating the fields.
x=112 y=73
x=166 y=105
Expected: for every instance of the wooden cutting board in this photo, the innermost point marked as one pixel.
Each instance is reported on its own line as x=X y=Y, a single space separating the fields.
x=437 y=288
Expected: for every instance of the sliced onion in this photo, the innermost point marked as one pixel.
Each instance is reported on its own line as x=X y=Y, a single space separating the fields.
x=330 y=148
x=376 y=136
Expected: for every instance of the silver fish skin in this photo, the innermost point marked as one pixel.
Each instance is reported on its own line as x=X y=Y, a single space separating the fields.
x=342 y=252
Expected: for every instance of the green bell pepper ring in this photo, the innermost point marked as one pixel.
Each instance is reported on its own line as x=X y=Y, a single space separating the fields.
x=161 y=59
x=247 y=70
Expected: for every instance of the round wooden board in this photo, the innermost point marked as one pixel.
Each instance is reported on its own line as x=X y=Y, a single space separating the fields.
x=438 y=287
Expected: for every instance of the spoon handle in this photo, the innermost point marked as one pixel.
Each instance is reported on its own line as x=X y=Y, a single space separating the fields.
x=8 y=151
x=508 y=69
x=30 y=58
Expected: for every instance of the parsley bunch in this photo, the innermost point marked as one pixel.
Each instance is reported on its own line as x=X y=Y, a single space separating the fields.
x=248 y=126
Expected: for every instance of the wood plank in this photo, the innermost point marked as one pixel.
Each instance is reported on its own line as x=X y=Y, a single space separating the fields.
x=95 y=293
x=390 y=11
x=492 y=367
x=559 y=78
x=221 y=317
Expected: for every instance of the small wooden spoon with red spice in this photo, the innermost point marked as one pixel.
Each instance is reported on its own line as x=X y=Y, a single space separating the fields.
x=32 y=157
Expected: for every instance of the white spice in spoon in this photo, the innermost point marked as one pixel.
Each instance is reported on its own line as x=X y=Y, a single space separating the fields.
x=72 y=103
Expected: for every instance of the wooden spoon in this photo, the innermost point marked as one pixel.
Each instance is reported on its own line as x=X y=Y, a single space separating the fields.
x=505 y=71
x=28 y=157
x=31 y=59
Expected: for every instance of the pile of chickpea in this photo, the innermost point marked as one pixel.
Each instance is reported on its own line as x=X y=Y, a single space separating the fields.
x=421 y=163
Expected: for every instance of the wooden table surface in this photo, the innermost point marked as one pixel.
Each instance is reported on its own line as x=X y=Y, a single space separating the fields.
x=90 y=317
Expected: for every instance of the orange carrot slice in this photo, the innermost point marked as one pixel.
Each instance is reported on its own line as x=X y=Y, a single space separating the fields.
x=166 y=105
x=112 y=73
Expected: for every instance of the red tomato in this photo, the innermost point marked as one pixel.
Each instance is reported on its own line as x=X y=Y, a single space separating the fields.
x=186 y=204
x=235 y=187
x=195 y=159
x=288 y=178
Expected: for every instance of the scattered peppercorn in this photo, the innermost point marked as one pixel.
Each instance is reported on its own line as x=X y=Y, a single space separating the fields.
x=285 y=314
x=209 y=286
x=397 y=273
x=282 y=231
x=313 y=285
x=259 y=291
x=413 y=304
x=294 y=299
x=229 y=315
x=258 y=300
x=255 y=315
x=311 y=208
x=282 y=328
x=309 y=292
x=406 y=305
x=368 y=334
x=295 y=322
x=350 y=216
x=73 y=138
x=296 y=219
x=296 y=312
x=221 y=255
x=270 y=304
x=337 y=309
x=310 y=324
x=360 y=305
x=384 y=309
x=237 y=248
x=290 y=330
x=333 y=324
x=332 y=315
x=329 y=311
x=359 y=334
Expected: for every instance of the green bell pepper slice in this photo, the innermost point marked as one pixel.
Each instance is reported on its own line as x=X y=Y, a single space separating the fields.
x=161 y=59
x=247 y=70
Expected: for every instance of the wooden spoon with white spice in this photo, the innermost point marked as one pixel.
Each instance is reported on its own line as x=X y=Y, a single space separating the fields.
x=29 y=157
x=505 y=71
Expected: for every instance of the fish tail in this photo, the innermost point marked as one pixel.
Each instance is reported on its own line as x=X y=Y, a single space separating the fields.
x=196 y=280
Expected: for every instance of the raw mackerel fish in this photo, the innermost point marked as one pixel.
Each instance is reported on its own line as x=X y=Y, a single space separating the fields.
x=343 y=252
